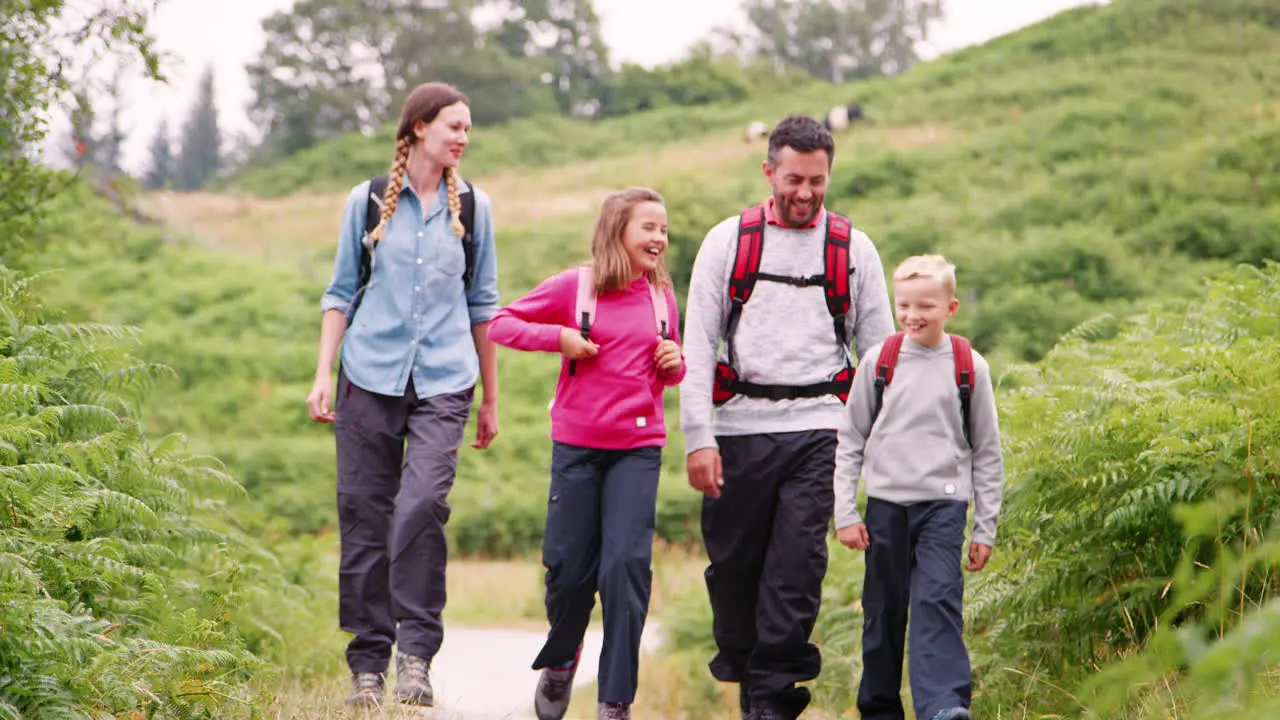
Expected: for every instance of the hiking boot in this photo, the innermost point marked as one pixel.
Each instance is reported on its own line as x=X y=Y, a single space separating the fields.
x=614 y=711
x=955 y=713
x=744 y=701
x=412 y=684
x=551 y=699
x=366 y=690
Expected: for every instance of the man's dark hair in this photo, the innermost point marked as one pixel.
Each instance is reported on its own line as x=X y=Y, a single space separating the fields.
x=802 y=134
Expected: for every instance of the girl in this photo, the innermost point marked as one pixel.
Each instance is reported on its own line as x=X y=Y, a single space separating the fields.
x=410 y=357
x=607 y=432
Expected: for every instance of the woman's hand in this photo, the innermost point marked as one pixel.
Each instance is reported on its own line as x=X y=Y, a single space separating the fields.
x=320 y=400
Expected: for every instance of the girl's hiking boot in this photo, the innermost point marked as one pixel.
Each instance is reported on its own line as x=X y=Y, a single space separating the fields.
x=366 y=690
x=413 y=687
x=955 y=713
x=614 y=711
x=551 y=699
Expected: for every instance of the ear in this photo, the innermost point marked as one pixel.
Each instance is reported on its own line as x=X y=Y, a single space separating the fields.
x=420 y=129
x=952 y=307
x=768 y=170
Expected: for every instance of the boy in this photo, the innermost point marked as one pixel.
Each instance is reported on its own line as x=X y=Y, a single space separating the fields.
x=921 y=473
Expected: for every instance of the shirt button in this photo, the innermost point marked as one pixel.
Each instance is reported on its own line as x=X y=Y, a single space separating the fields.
x=419 y=261
x=419 y=233
x=417 y=288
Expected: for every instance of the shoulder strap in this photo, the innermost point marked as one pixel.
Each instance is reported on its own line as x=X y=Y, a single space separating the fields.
x=885 y=364
x=372 y=214
x=745 y=271
x=963 y=353
x=660 y=319
x=468 y=201
x=746 y=262
x=837 y=271
x=584 y=307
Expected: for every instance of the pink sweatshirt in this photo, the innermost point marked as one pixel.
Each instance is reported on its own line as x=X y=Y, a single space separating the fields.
x=614 y=400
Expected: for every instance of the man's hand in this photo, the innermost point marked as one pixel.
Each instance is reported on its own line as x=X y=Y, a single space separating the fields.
x=979 y=554
x=705 y=472
x=854 y=537
x=576 y=347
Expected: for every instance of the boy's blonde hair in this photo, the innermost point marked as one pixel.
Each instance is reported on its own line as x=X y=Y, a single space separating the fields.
x=931 y=267
x=611 y=269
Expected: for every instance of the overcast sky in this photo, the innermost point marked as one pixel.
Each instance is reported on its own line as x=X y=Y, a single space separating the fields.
x=228 y=34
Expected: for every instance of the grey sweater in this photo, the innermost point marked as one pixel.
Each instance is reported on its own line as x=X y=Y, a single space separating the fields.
x=784 y=336
x=916 y=451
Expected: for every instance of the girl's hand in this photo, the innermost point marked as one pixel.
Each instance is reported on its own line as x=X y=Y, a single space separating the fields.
x=576 y=347
x=667 y=355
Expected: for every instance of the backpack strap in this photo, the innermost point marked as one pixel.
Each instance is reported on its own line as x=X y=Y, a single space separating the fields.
x=372 y=215
x=746 y=270
x=584 y=308
x=837 y=273
x=660 y=317
x=963 y=352
x=885 y=364
x=468 y=202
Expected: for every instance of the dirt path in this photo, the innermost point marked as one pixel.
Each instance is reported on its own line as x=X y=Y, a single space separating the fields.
x=484 y=674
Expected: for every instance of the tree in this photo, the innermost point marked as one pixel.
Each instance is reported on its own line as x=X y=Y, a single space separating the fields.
x=564 y=35
x=331 y=67
x=200 y=155
x=160 y=170
x=840 y=40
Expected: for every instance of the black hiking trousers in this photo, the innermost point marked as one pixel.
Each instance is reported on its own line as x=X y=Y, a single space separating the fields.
x=766 y=539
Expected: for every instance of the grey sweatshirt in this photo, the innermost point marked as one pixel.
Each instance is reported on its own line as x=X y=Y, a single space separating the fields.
x=917 y=452
x=784 y=336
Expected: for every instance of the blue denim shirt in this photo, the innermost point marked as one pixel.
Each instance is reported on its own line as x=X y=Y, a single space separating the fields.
x=415 y=316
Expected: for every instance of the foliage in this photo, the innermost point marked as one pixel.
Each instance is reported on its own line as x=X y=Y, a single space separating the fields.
x=123 y=587
x=838 y=40
x=201 y=153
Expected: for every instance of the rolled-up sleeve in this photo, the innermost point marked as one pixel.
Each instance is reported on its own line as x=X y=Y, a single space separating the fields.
x=482 y=300
x=346 y=262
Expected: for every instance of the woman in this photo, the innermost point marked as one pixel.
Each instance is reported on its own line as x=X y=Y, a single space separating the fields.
x=410 y=358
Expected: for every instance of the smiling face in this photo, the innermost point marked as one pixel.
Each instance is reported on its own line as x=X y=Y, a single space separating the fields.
x=644 y=239
x=922 y=306
x=444 y=138
x=799 y=183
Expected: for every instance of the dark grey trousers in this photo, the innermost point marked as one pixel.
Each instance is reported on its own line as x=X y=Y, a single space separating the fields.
x=913 y=565
x=392 y=509
x=599 y=536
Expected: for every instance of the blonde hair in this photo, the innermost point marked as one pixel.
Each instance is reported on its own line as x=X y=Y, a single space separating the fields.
x=611 y=268
x=423 y=104
x=930 y=267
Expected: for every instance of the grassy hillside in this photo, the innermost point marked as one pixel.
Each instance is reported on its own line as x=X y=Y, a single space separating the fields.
x=1099 y=162
x=1093 y=163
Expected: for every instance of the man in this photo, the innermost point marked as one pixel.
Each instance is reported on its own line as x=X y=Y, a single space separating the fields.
x=785 y=286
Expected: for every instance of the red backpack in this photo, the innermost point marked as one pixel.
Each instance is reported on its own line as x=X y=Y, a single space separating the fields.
x=835 y=283
x=961 y=350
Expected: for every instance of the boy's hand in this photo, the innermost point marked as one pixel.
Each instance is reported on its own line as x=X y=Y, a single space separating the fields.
x=667 y=355
x=576 y=347
x=854 y=536
x=979 y=554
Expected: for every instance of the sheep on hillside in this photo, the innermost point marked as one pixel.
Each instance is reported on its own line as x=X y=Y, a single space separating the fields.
x=755 y=130
x=839 y=117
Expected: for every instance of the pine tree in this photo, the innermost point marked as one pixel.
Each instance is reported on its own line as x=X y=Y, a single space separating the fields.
x=201 y=154
x=160 y=171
